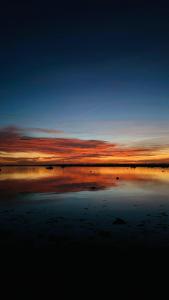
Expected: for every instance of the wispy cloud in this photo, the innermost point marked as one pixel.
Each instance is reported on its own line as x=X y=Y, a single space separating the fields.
x=14 y=130
x=42 y=130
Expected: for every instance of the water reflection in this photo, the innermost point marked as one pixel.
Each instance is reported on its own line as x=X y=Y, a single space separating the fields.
x=125 y=207
x=15 y=180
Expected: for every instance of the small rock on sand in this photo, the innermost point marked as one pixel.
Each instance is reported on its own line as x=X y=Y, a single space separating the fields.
x=164 y=214
x=104 y=233
x=119 y=221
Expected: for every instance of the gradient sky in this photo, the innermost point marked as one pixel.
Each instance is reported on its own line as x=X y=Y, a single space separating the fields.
x=83 y=81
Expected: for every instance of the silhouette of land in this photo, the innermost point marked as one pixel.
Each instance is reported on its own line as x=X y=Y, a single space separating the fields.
x=129 y=165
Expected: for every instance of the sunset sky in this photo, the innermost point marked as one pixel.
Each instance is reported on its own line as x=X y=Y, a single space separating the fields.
x=83 y=82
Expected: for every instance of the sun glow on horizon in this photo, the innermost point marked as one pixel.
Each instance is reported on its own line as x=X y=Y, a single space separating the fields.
x=18 y=149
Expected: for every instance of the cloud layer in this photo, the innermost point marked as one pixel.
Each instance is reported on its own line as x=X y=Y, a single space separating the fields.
x=16 y=147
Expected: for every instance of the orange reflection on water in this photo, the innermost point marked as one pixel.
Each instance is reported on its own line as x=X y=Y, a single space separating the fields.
x=73 y=179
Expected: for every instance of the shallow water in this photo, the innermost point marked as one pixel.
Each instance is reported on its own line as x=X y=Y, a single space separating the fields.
x=123 y=207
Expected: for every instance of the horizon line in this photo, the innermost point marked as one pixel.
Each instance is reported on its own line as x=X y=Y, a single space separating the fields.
x=162 y=165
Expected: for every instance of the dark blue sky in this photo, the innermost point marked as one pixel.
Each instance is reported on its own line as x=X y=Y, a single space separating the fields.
x=74 y=65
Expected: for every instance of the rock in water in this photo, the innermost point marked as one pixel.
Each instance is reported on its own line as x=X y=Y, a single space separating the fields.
x=49 y=168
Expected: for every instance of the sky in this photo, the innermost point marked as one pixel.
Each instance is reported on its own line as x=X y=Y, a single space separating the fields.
x=84 y=81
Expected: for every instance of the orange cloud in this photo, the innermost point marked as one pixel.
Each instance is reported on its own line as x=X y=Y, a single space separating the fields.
x=16 y=148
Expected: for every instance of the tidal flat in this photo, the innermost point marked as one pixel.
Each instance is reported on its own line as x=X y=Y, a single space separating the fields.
x=122 y=207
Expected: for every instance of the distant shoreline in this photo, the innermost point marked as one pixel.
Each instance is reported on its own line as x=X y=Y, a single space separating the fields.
x=148 y=165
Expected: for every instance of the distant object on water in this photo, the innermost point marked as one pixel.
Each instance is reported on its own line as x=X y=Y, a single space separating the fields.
x=117 y=178
x=93 y=188
x=49 y=168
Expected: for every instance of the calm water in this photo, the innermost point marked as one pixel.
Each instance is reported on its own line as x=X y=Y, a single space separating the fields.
x=124 y=207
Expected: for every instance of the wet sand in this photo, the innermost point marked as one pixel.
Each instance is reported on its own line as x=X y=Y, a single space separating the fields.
x=101 y=230
x=122 y=208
